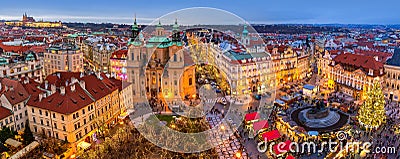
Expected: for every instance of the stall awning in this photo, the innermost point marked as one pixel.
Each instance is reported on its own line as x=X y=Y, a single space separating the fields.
x=290 y=157
x=282 y=148
x=271 y=135
x=25 y=150
x=84 y=145
x=309 y=87
x=123 y=115
x=313 y=133
x=263 y=124
x=280 y=102
x=13 y=143
x=252 y=116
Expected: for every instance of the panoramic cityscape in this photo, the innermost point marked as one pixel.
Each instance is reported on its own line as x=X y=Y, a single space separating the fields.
x=206 y=79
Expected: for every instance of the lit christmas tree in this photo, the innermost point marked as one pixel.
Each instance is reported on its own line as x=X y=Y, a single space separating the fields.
x=372 y=113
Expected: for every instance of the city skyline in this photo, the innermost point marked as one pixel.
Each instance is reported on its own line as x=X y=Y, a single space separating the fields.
x=288 y=12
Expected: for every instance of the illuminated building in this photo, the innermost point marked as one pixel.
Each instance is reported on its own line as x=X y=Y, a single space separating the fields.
x=72 y=106
x=30 y=22
x=118 y=64
x=160 y=51
x=352 y=74
x=65 y=57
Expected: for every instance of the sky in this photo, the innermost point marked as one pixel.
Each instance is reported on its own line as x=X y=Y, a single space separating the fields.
x=252 y=11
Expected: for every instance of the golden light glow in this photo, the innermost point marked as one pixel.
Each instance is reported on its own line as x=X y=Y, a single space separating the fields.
x=238 y=154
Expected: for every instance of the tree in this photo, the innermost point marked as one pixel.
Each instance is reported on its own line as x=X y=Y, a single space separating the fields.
x=5 y=133
x=27 y=136
x=371 y=114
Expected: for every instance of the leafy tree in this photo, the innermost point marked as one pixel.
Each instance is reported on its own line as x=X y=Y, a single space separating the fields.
x=27 y=136
x=5 y=133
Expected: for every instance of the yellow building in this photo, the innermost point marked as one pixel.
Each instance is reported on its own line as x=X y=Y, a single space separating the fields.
x=72 y=106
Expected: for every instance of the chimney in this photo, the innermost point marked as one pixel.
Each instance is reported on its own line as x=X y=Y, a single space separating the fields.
x=11 y=88
x=26 y=80
x=62 y=90
x=53 y=88
x=98 y=75
x=58 y=75
x=82 y=84
x=81 y=75
x=376 y=58
x=46 y=84
x=40 y=97
x=73 y=87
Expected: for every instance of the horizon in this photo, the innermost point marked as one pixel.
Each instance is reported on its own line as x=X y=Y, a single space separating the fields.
x=256 y=12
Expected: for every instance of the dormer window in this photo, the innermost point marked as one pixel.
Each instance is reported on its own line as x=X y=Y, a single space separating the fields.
x=370 y=72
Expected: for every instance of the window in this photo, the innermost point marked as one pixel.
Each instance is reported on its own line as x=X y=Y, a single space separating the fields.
x=40 y=112
x=64 y=128
x=83 y=111
x=34 y=120
x=190 y=81
x=54 y=115
x=47 y=113
x=41 y=121
x=62 y=117
x=33 y=110
x=55 y=125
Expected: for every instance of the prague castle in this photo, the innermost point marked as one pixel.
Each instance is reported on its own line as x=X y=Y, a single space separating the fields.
x=30 y=22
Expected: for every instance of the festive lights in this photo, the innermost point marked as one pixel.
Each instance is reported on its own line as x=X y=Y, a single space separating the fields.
x=372 y=113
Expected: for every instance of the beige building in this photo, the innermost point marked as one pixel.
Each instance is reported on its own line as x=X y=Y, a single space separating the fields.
x=63 y=58
x=14 y=98
x=71 y=106
x=391 y=86
x=6 y=119
x=350 y=73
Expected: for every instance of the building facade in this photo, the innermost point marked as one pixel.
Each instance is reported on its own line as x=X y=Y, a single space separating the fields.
x=64 y=57
x=16 y=66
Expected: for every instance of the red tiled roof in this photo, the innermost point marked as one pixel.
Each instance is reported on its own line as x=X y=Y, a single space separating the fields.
x=16 y=93
x=64 y=76
x=120 y=84
x=68 y=103
x=96 y=87
x=366 y=62
x=38 y=49
x=4 y=112
x=12 y=48
x=119 y=54
x=382 y=56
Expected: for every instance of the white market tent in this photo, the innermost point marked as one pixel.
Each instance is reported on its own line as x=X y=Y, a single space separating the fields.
x=25 y=150
x=13 y=143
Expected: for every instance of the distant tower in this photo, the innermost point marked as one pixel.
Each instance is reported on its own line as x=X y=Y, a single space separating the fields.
x=159 y=29
x=176 y=35
x=24 y=17
x=245 y=39
x=135 y=30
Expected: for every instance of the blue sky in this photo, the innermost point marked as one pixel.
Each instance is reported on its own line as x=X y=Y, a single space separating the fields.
x=253 y=11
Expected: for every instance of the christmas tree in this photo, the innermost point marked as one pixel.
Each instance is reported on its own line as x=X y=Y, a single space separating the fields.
x=372 y=113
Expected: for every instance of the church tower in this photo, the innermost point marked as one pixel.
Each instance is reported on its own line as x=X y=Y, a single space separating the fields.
x=159 y=29
x=176 y=35
x=245 y=39
x=135 y=31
